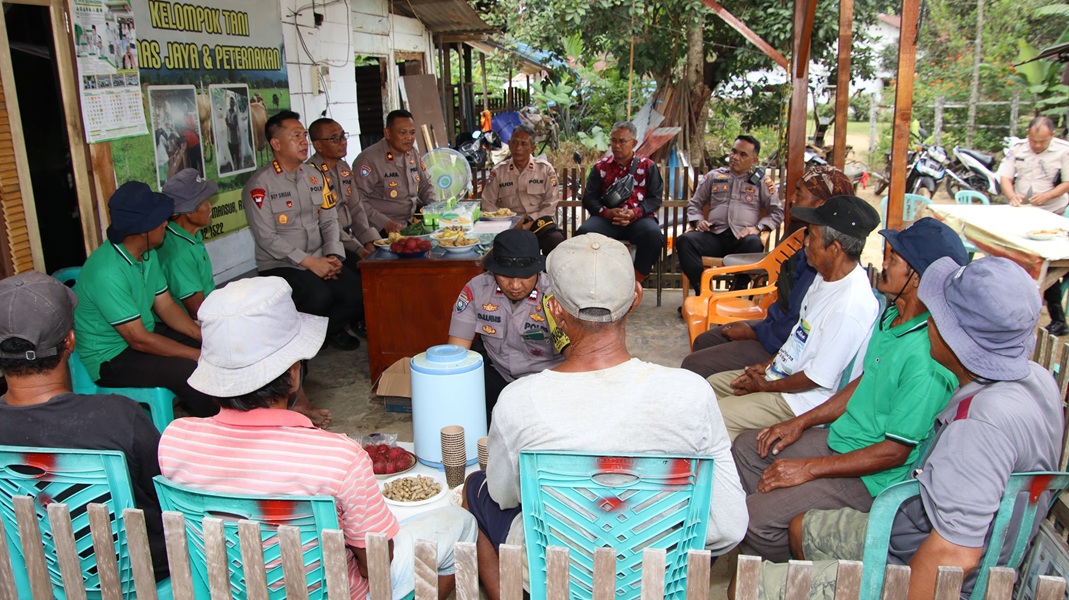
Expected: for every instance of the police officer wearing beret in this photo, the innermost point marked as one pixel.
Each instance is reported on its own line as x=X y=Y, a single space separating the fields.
x=294 y=222
x=391 y=179
x=736 y=196
x=527 y=186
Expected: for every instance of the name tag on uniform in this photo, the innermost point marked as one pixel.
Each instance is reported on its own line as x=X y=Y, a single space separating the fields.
x=534 y=335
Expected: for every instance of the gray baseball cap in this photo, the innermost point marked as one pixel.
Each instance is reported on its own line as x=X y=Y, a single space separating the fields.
x=986 y=312
x=36 y=308
x=188 y=189
x=592 y=271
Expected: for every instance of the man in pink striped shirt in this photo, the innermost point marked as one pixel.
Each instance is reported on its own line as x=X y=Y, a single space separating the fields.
x=254 y=340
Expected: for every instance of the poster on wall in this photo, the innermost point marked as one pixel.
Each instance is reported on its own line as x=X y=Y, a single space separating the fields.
x=199 y=58
x=176 y=133
x=233 y=118
x=105 y=43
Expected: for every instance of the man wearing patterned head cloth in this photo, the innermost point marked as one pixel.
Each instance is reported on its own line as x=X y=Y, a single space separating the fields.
x=736 y=345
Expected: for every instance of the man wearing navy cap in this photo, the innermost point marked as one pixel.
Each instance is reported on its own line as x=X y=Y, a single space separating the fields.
x=877 y=422
x=130 y=331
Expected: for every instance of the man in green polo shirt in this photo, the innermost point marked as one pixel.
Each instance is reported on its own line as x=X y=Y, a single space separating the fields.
x=878 y=421
x=129 y=330
x=183 y=256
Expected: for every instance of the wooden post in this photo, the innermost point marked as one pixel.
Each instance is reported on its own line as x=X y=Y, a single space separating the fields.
x=974 y=87
x=842 y=89
x=486 y=92
x=937 y=134
x=874 y=111
x=447 y=97
x=803 y=29
x=900 y=142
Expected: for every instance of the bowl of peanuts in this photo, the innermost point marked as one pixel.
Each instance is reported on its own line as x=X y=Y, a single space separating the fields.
x=413 y=490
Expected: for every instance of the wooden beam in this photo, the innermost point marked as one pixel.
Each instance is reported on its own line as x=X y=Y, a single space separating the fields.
x=747 y=33
x=799 y=92
x=842 y=89
x=900 y=142
x=801 y=65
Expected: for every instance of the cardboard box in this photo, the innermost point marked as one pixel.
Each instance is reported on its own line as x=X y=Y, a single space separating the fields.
x=395 y=387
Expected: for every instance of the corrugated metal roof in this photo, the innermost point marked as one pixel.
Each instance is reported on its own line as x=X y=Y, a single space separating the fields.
x=453 y=17
x=531 y=62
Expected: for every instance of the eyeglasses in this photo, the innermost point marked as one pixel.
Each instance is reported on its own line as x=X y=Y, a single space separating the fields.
x=337 y=139
x=521 y=262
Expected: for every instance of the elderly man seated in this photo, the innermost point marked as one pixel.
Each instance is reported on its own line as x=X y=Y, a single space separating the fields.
x=743 y=343
x=1005 y=417
x=833 y=326
x=877 y=421
x=184 y=258
x=598 y=400
x=39 y=409
x=254 y=342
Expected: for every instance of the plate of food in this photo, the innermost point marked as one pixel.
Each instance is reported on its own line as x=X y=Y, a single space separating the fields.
x=456 y=239
x=413 y=490
x=411 y=247
x=383 y=243
x=389 y=461
x=499 y=214
x=1041 y=235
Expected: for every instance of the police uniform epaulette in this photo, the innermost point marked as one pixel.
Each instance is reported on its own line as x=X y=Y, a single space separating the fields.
x=277 y=167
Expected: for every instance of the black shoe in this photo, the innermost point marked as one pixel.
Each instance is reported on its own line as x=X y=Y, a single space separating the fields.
x=1058 y=328
x=343 y=341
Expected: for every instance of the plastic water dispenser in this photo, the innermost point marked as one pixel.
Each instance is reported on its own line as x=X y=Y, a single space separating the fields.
x=447 y=389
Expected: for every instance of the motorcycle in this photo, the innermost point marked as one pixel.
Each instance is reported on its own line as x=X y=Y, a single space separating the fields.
x=477 y=146
x=976 y=170
x=926 y=170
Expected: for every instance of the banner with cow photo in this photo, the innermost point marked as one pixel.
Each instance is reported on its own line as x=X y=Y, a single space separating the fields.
x=211 y=75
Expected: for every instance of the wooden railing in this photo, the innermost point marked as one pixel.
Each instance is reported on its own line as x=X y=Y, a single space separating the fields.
x=1000 y=586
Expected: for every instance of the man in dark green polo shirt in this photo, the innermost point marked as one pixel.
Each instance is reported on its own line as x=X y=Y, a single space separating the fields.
x=183 y=256
x=129 y=330
x=878 y=421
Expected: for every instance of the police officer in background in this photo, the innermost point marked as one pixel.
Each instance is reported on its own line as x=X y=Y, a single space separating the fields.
x=527 y=186
x=391 y=179
x=331 y=144
x=294 y=223
x=1036 y=172
x=505 y=307
x=736 y=196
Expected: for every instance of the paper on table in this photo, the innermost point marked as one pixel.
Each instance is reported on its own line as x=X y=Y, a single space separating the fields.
x=491 y=226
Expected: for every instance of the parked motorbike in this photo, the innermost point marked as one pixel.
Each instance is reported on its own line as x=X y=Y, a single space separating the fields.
x=926 y=170
x=975 y=170
x=476 y=148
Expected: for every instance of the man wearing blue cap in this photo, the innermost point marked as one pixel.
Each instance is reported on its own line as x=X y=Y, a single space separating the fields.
x=877 y=422
x=130 y=332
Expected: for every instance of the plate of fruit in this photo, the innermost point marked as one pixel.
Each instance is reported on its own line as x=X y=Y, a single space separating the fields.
x=388 y=461
x=411 y=247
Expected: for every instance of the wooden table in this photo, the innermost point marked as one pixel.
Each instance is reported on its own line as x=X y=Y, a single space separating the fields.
x=408 y=303
x=1000 y=230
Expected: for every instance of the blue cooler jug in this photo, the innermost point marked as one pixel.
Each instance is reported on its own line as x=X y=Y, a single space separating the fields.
x=447 y=389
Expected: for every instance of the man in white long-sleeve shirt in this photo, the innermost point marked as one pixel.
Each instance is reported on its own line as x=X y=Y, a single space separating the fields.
x=600 y=399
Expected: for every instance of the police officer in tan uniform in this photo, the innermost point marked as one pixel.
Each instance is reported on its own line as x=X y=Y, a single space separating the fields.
x=504 y=307
x=331 y=144
x=294 y=223
x=528 y=187
x=391 y=179
x=736 y=196
x=1036 y=172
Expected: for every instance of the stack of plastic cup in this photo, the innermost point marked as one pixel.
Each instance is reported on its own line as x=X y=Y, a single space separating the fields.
x=454 y=456
x=484 y=454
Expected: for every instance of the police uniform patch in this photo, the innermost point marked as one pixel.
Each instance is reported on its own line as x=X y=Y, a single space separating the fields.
x=344 y=172
x=283 y=219
x=393 y=193
x=365 y=170
x=392 y=184
x=258 y=196
x=417 y=178
x=489 y=330
x=490 y=307
x=538 y=317
x=749 y=198
x=553 y=180
x=463 y=300
x=493 y=174
x=422 y=164
x=771 y=187
x=536 y=352
x=314 y=180
x=348 y=190
x=389 y=156
x=720 y=176
x=289 y=204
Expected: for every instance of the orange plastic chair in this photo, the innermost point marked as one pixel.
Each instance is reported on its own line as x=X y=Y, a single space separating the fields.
x=717 y=308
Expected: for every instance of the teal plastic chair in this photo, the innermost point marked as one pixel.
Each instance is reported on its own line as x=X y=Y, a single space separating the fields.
x=885 y=507
x=75 y=478
x=624 y=502
x=910 y=202
x=157 y=402
x=68 y=275
x=311 y=514
x=967 y=197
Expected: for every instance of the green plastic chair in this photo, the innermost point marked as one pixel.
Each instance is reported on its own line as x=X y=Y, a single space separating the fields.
x=967 y=197
x=311 y=514
x=885 y=507
x=75 y=478
x=157 y=402
x=624 y=502
x=910 y=202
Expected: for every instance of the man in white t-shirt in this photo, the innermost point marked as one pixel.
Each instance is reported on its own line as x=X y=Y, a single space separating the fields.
x=824 y=350
x=598 y=400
